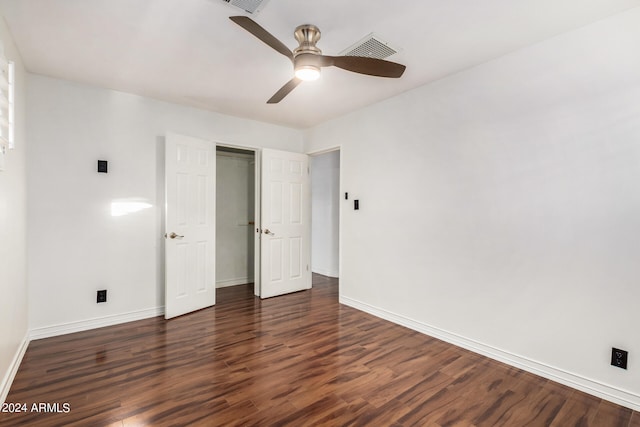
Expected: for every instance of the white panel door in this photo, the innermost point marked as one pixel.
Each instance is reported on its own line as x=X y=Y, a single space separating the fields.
x=190 y=170
x=286 y=223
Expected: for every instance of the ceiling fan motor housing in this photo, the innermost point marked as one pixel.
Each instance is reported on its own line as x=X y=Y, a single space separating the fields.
x=306 y=57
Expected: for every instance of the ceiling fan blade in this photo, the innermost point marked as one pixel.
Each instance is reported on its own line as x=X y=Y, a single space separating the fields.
x=262 y=34
x=363 y=65
x=284 y=90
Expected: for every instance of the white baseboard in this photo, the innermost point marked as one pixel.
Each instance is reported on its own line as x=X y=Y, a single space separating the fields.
x=603 y=391
x=13 y=369
x=233 y=282
x=98 y=322
x=324 y=272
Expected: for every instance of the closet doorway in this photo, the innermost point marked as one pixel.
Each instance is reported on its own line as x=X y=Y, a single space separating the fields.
x=235 y=217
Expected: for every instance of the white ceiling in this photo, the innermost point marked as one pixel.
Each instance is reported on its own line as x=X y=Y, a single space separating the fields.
x=189 y=52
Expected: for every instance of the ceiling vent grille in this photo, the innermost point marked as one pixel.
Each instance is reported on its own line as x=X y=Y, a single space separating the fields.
x=249 y=6
x=372 y=47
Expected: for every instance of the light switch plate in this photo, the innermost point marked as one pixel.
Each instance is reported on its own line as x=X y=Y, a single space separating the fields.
x=102 y=166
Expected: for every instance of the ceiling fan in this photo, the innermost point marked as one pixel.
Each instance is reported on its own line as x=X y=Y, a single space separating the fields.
x=308 y=59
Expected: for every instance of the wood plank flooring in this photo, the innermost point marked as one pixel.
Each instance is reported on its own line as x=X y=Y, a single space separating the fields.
x=300 y=359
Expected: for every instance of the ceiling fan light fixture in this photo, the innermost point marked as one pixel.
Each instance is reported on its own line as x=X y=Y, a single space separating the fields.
x=307 y=58
x=307 y=73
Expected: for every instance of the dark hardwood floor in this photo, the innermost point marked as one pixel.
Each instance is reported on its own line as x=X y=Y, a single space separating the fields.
x=300 y=359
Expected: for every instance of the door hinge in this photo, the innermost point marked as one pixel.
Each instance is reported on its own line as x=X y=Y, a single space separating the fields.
x=307 y=268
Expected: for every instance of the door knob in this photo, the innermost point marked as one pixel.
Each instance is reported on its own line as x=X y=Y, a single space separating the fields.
x=270 y=233
x=174 y=236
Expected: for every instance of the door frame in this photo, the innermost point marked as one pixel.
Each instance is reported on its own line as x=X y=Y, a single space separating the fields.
x=340 y=199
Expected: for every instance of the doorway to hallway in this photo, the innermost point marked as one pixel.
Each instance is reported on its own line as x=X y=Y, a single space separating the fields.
x=325 y=213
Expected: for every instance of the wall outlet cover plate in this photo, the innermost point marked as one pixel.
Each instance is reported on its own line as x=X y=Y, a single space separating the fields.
x=619 y=358
x=101 y=296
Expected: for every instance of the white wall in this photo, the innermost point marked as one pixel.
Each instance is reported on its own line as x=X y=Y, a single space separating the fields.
x=13 y=232
x=234 y=211
x=75 y=244
x=325 y=213
x=505 y=202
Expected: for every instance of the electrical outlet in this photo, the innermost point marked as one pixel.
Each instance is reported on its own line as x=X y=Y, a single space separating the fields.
x=102 y=296
x=619 y=358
